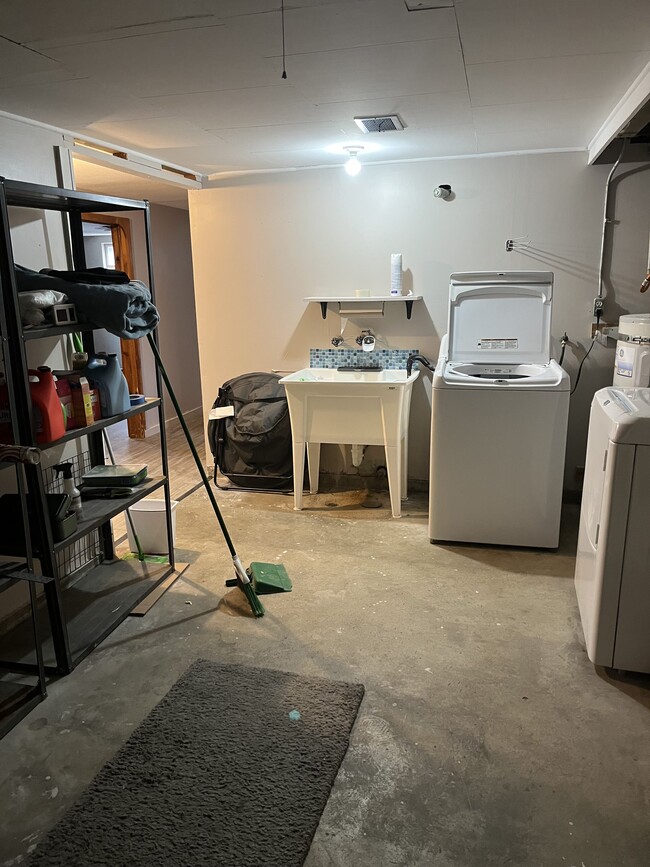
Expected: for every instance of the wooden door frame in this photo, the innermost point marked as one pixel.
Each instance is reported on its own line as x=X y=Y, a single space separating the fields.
x=131 y=365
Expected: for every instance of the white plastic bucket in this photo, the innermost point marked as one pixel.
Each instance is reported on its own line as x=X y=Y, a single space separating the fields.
x=148 y=518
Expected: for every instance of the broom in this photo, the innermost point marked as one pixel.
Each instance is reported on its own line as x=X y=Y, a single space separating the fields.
x=242 y=577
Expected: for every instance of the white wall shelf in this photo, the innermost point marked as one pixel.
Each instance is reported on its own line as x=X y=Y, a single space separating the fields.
x=374 y=300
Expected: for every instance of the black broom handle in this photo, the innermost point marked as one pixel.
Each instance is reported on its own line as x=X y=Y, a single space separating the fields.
x=190 y=442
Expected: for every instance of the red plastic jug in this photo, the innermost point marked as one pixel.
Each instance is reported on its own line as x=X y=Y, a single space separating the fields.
x=48 y=412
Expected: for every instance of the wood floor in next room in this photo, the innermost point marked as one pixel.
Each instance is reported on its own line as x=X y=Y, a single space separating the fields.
x=485 y=736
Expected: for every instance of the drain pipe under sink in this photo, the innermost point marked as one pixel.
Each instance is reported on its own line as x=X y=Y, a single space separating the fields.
x=357 y=454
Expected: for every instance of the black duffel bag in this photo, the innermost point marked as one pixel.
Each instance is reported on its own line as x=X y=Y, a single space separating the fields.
x=253 y=448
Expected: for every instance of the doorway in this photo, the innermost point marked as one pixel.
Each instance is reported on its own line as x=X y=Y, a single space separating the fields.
x=107 y=244
x=170 y=256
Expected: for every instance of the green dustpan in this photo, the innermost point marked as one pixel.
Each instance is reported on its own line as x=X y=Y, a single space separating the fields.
x=269 y=578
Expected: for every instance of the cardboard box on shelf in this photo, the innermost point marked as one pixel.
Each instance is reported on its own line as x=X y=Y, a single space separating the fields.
x=82 y=402
x=65 y=396
x=80 y=394
x=95 y=402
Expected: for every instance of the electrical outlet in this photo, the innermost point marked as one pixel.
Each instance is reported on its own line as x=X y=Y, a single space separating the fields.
x=603 y=333
x=608 y=335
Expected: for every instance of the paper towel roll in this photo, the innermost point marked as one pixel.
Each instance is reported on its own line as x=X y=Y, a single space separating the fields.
x=395 y=273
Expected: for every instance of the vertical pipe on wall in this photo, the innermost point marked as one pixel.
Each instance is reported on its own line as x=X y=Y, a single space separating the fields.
x=606 y=221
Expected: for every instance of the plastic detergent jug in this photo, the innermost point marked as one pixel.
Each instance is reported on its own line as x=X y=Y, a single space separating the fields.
x=48 y=412
x=107 y=376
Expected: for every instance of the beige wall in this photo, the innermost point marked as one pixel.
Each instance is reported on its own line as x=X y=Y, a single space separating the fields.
x=27 y=152
x=261 y=243
x=172 y=265
x=173 y=280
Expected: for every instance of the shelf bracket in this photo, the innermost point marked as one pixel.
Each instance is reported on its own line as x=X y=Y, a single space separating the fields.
x=361 y=305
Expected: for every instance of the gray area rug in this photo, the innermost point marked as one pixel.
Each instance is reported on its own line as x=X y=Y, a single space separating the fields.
x=232 y=768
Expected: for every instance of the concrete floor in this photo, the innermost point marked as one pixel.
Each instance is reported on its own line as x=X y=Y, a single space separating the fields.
x=485 y=736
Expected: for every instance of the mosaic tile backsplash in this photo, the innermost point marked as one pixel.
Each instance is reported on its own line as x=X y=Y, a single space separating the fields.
x=388 y=359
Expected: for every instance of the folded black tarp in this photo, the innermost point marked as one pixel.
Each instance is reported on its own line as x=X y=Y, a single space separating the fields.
x=124 y=309
x=253 y=448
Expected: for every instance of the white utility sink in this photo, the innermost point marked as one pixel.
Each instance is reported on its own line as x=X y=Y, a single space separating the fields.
x=357 y=407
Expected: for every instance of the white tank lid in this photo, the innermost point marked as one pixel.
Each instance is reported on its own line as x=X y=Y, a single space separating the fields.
x=629 y=410
x=634 y=325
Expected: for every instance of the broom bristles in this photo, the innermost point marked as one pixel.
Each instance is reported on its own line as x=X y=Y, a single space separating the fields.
x=256 y=606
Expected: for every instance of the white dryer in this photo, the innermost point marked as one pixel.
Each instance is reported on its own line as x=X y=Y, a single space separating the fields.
x=612 y=576
x=499 y=414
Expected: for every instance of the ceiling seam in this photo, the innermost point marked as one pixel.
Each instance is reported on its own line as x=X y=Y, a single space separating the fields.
x=103 y=40
x=27 y=48
x=469 y=93
x=360 y=45
x=560 y=57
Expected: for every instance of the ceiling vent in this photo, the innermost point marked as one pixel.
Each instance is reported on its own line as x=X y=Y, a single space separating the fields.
x=387 y=123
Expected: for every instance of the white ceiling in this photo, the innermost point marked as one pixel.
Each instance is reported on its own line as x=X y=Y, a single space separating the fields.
x=198 y=83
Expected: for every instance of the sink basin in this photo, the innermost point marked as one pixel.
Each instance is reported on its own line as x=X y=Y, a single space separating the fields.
x=353 y=406
x=327 y=374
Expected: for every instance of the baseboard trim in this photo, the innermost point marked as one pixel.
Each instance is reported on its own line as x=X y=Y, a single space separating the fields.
x=172 y=422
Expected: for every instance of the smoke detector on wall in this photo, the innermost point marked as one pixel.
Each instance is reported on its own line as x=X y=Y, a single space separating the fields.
x=443 y=191
x=383 y=123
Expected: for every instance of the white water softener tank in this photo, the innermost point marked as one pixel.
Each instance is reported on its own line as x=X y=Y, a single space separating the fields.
x=632 y=366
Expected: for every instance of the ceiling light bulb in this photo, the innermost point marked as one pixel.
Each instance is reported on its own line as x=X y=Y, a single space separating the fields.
x=353 y=166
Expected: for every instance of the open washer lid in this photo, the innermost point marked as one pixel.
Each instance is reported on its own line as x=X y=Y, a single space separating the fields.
x=500 y=317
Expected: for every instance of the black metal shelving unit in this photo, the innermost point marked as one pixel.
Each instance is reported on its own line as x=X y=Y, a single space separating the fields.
x=75 y=433
x=22 y=685
x=77 y=616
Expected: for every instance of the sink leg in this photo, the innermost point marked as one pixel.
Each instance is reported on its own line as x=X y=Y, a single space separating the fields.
x=405 y=461
x=298 y=473
x=391 y=413
x=313 y=459
x=394 y=467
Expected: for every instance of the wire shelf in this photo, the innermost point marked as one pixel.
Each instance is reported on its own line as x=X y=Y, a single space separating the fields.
x=74 y=560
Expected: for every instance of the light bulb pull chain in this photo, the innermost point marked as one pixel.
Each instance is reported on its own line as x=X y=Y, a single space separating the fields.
x=284 y=54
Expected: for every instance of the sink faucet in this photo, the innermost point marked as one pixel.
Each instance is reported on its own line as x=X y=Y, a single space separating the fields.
x=419 y=358
x=366 y=340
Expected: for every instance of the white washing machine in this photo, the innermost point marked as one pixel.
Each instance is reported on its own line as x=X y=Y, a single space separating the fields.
x=612 y=576
x=499 y=415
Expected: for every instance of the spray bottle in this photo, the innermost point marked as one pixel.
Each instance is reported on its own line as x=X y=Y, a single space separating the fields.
x=69 y=486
